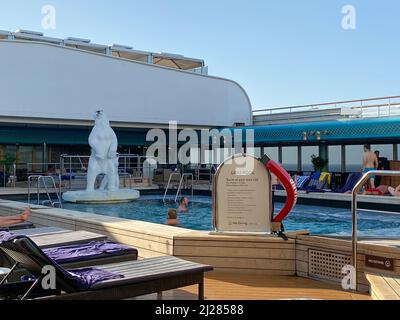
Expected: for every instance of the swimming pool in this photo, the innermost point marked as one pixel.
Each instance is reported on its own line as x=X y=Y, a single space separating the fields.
x=318 y=220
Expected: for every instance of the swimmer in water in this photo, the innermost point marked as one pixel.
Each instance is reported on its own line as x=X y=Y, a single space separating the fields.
x=183 y=205
x=172 y=219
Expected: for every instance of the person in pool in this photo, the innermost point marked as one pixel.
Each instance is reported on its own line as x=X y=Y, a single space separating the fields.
x=183 y=205
x=370 y=162
x=9 y=221
x=172 y=219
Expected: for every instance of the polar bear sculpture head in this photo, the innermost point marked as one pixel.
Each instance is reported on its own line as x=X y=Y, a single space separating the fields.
x=101 y=119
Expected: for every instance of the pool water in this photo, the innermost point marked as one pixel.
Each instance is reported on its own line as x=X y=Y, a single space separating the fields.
x=318 y=220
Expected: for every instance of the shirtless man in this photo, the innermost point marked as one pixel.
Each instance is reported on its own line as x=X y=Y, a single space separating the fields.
x=370 y=162
x=9 y=221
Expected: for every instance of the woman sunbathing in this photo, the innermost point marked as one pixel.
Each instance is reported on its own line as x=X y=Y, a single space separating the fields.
x=8 y=221
x=382 y=190
x=394 y=192
x=379 y=191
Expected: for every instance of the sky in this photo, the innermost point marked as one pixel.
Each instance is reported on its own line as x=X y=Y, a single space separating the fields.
x=285 y=52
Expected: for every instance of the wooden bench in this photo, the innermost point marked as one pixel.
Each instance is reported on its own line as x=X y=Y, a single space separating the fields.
x=384 y=287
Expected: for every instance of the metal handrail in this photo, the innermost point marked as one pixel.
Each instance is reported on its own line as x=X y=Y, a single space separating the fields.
x=68 y=166
x=12 y=177
x=335 y=104
x=169 y=182
x=356 y=189
x=29 y=187
x=329 y=103
x=206 y=172
x=181 y=182
x=125 y=175
x=41 y=178
x=58 y=194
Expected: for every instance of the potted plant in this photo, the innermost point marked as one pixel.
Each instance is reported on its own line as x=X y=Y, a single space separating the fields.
x=5 y=165
x=319 y=163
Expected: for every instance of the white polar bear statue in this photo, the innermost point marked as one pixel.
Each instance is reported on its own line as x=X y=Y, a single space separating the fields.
x=103 y=160
x=104 y=157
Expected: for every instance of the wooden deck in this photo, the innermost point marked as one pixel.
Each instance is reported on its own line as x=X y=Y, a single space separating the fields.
x=384 y=287
x=230 y=286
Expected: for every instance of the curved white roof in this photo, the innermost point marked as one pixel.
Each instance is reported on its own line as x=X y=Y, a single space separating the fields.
x=47 y=81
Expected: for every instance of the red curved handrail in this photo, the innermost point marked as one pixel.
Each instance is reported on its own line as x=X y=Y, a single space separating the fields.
x=289 y=185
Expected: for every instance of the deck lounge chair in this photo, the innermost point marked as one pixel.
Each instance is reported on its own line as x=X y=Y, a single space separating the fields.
x=125 y=280
x=351 y=182
x=320 y=182
x=73 y=247
x=302 y=182
x=79 y=255
x=314 y=182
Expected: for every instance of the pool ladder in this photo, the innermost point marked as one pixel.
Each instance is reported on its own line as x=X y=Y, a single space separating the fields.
x=44 y=180
x=179 y=190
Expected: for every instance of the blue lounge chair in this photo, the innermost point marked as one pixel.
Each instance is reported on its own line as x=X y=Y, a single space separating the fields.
x=302 y=182
x=319 y=183
x=351 y=182
x=314 y=182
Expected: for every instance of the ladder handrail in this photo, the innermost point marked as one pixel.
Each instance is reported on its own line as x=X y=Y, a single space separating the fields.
x=39 y=179
x=36 y=176
x=169 y=182
x=181 y=182
x=43 y=179
x=125 y=175
x=356 y=189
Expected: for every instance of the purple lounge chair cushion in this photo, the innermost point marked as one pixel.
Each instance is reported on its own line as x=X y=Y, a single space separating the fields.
x=90 y=276
x=7 y=236
x=81 y=252
x=83 y=278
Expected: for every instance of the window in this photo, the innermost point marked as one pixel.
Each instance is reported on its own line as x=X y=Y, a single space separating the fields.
x=224 y=153
x=335 y=158
x=37 y=157
x=386 y=150
x=25 y=154
x=398 y=152
x=11 y=150
x=306 y=153
x=207 y=157
x=354 y=158
x=2 y=152
x=289 y=158
x=272 y=153
x=254 y=151
x=194 y=155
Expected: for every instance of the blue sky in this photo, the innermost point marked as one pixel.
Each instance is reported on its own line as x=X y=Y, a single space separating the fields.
x=285 y=52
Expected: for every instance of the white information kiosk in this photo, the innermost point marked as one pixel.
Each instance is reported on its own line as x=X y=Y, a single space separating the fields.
x=243 y=199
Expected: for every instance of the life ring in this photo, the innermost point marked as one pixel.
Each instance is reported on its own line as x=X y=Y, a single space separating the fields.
x=288 y=184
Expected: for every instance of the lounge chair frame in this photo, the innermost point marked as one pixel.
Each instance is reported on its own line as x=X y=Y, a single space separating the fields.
x=26 y=254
